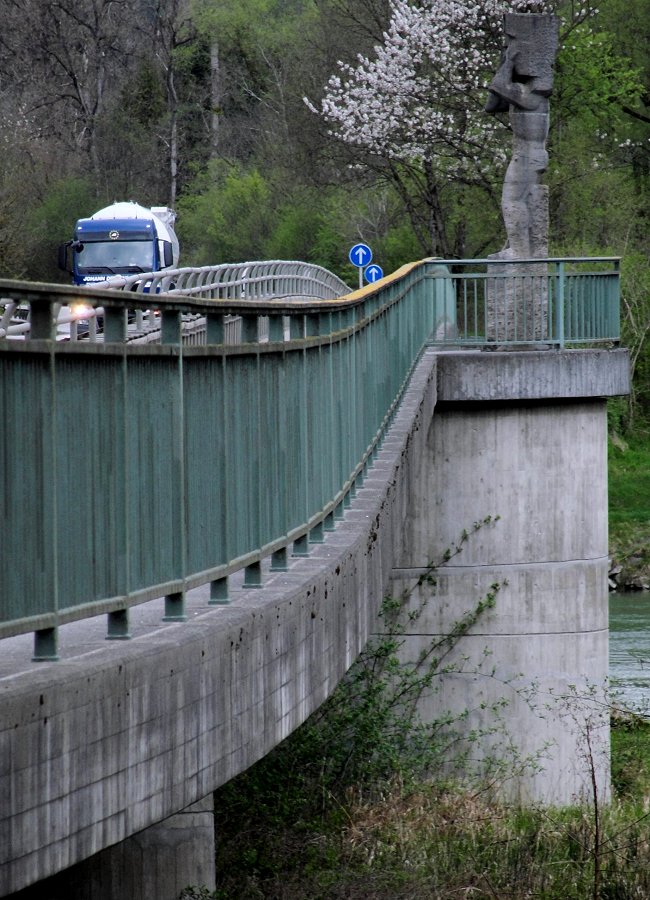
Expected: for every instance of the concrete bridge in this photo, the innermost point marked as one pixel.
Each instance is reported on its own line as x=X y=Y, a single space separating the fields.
x=231 y=516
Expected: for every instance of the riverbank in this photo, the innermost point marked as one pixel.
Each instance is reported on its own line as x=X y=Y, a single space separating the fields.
x=281 y=837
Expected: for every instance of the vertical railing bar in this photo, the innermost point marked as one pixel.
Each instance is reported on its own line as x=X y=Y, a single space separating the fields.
x=560 y=304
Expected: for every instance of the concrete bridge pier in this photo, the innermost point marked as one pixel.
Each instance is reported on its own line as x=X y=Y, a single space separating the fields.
x=521 y=436
x=155 y=863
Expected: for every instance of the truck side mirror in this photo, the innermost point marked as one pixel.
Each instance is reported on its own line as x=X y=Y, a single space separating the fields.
x=64 y=257
x=168 y=254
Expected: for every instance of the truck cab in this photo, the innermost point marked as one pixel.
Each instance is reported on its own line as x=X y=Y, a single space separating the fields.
x=121 y=239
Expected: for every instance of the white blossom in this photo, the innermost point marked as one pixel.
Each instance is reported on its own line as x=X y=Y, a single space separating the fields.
x=420 y=96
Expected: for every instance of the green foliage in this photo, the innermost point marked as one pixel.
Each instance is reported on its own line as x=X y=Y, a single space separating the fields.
x=235 y=213
x=629 y=482
x=228 y=219
x=589 y=146
x=51 y=223
x=369 y=730
x=631 y=757
x=143 y=101
x=195 y=893
x=366 y=738
x=629 y=505
x=635 y=331
x=594 y=82
x=430 y=840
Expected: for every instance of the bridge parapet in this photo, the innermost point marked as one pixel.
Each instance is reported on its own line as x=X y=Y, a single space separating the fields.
x=134 y=472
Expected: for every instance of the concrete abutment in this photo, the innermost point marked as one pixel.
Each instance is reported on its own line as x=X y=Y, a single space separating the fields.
x=521 y=437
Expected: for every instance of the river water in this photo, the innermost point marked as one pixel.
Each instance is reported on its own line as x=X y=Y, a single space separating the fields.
x=629 y=648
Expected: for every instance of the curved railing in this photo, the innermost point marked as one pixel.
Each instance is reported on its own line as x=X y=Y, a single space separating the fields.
x=265 y=280
x=135 y=472
x=132 y=472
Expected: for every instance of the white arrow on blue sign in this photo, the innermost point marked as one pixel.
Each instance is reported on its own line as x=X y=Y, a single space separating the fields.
x=360 y=255
x=373 y=273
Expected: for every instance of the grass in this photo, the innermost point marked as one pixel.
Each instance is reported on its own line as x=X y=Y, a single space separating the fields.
x=631 y=759
x=283 y=837
x=435 y=842
x=629 y=497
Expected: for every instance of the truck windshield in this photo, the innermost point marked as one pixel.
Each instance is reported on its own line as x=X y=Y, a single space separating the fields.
x=98 y=256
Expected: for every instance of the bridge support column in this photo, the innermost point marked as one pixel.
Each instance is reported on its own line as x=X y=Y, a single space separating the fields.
x=529 y=676
x=155 y=863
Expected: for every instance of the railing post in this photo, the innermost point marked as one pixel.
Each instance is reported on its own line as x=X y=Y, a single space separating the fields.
x=276 y=329
x=253 y=575
x=279 y=562
x=312 y=325
x=297 y=326
x=114 y=325
x=614 y=316
x=559 y=306
x=249 y=329
x=316 y=535
x=175 y=607
x=46 y=645
x=301 y=546
x=42 y=320
x=219 y=595
x=170 y=328
x=170 y=333
x=214 y=330
x=118 y=625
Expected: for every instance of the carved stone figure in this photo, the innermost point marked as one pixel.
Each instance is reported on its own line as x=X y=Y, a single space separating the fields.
x=522 y=86
x=517 y=300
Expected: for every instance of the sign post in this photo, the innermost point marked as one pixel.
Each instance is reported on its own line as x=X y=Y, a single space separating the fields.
x=360 y=256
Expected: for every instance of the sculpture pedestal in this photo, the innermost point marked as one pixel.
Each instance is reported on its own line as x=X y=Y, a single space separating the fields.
x=517 y=301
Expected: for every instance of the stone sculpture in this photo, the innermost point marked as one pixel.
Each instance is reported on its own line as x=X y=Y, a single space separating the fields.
x=517 y=297
x=522 y=86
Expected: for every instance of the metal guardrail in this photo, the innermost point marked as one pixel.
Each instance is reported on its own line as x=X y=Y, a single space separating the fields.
x=503 y=302
x=265 y=280
x=133 y=471
x=487 y=302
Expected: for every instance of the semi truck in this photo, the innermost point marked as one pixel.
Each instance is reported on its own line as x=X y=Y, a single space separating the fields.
x=121 y=239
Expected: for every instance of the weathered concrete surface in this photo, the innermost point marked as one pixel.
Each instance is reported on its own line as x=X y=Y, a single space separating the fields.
x=534 y=375
x=157 y=862
x=521 y=436
x=97 y=749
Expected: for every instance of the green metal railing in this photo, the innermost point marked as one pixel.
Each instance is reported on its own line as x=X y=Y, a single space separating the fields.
x=501 y=302
x=136 y=472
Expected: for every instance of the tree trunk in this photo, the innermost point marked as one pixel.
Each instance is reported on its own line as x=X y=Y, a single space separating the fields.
x=216 y=95
x=172 y=100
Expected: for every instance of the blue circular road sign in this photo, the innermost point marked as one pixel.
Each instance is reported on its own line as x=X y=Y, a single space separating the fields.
x=360 y=255
x=373 y=273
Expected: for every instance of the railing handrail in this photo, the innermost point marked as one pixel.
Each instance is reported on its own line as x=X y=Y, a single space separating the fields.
x=504 y=261
x=104 y=293
x=273 y=278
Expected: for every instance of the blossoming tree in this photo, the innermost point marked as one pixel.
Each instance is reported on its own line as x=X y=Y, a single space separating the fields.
x=414 y=113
